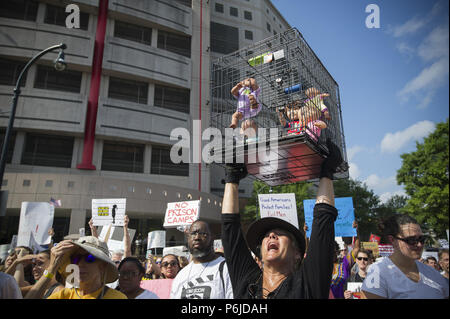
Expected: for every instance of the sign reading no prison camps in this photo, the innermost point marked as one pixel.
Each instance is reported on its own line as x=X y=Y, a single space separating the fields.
x=181 y=213
x=108 y=211
x=343 y=226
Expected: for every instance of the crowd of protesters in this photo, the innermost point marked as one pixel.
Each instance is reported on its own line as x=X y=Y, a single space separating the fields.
x=273 y=259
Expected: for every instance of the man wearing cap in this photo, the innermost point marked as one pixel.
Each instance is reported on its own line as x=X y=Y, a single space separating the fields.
x=90 y=257
x=282 y=246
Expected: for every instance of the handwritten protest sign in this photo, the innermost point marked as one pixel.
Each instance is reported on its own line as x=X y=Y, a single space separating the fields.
x=181 y=213
x=108 y=211
x=156 y=239
x=373 y=246
x=36 y=218
x=282 y=206
x=113 y=237
x=343 y=226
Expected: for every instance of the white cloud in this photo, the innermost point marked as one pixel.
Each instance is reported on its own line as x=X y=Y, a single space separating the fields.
x=435 y=45
x=410 y=26
x=377 y=183
x=354 y=171
x=352 y=151
x=393 y=142
x=386 y=196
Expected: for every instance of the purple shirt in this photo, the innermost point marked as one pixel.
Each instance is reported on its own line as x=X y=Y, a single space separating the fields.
x=244 y=102
x=341 y=273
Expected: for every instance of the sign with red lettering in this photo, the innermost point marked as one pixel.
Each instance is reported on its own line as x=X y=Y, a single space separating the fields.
x=374 y=238
x=282 y=206
x=181 y=213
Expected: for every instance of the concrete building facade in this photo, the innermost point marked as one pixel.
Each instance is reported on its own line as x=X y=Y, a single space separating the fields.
x=155 y=75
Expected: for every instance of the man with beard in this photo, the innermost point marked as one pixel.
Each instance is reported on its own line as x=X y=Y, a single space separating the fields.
x=206 y=276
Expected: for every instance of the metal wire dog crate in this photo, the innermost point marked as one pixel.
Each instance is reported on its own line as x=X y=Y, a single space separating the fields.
x=290 y=78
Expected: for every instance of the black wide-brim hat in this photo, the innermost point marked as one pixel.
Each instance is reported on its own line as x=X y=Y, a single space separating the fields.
x=260 y=227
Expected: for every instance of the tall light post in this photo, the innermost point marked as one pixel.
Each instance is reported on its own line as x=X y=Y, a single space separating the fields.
x=60 y=65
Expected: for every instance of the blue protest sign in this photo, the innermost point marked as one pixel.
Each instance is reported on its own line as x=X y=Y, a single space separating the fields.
x=343 y=226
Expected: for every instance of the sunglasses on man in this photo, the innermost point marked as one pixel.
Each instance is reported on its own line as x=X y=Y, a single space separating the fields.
x=362 y=258
x=413 y=240
x=88 y=258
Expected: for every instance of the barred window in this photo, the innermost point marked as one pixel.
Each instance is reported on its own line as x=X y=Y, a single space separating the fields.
x=19 y=9
x=224 y=38
x=58 y=15
x=248 y=15
x=128 y=90
x=219 y=7
x=248 y=35
x=48 y=150
x=172 y=98
x=162 y=165
x=133 y=32
x=174 y=43
x=50 y=79
x=10 y=72
x=234 y=11
x=123 y=157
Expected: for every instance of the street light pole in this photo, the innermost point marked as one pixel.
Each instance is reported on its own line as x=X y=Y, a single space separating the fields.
x=60 y=65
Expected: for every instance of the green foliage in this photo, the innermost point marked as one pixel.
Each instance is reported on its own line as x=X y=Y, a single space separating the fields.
x=425 y=176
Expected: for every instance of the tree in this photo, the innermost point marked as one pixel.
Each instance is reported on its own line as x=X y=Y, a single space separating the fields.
x=424 y=173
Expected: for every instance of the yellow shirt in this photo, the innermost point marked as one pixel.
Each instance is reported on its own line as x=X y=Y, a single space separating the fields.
x=70 y=293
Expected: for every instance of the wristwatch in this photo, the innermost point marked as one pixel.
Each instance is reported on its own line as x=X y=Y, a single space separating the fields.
x=48 y=274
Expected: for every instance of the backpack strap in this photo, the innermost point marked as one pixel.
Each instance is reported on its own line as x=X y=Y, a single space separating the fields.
x=103 y=292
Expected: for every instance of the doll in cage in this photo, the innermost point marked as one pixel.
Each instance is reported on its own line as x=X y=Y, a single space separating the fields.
x=247 y=93
x=288 y=117
x=315 y=98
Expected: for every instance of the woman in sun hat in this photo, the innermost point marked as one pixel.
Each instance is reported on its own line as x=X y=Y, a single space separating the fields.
x=283 y=273
x=96 y=269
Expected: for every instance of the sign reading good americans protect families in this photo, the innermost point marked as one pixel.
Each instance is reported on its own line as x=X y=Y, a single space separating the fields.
x=279 y=205
x=108 y=211
x=181 y=213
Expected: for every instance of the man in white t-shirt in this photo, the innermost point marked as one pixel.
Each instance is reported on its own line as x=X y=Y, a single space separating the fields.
x=206 y=276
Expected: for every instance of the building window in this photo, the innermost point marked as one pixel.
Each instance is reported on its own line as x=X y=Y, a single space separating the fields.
x=19 y=9
x=219 y=7
x=269 y=27
x=233 y=11
x=133 y=32
x=70 y=184
x=162 y=165
x=248 y=35
x=12 y=142
x=187 y=3
x=128 y=90
x=172 y=98
x=248 y=15
x=174 y=43
x=49 y=183
x=49 y=79
x=58 y=15
x=224 y=38
x=26 y=183
x=10 y=72
x=47 y=150
x=123 y=157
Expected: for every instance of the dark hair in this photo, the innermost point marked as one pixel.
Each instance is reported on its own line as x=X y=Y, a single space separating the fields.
x=365 y=251
x=135 y=261
x=391 y=225
x=441 y=252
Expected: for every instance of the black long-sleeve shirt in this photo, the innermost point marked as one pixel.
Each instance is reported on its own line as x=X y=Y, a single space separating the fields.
x=310 y=281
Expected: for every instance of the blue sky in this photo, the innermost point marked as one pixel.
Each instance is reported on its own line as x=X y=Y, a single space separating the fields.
x=393 y=80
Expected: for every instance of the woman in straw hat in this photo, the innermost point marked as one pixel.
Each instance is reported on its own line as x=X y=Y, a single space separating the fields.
x=282 y=245
x=86 y=261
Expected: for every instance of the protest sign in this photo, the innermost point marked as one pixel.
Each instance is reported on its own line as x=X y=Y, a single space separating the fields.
x=218 y=245
x=181 y=213
x=426 y=254
x=343 y=226
x=36 y=218
x=282 y=206
x=108 y=211
x=160 y=287
x=113 y=237
x=176 y=250
x=385 y=250
x=371 y=246
x=156 y=239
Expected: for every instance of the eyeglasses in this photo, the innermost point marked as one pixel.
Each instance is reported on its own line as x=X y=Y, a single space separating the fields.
x=129 y=274
x=201 y=234
x=362 y=258
x=166 y=264
x=88 y=258
x=412 y=241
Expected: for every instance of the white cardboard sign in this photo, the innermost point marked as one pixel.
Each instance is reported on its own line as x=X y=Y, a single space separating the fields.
x=36 y=218
x=282 y=206
x=156 y=239
x=109 y=211
x=181 y=213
